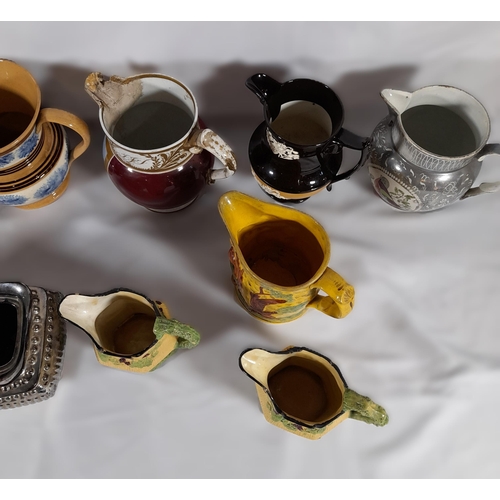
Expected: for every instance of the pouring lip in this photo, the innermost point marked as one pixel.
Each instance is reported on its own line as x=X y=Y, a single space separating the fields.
x=292 y=350
x=327 y=250
x=193 y=126
x=104 y=294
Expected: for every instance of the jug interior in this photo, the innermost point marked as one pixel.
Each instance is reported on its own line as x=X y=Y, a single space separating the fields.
x=445 y=121
x=303 y=123
x=162 y=115
x=125 y=326
x=439 y=130
x=305 y=390
x=15 y=116
x=304 y=112
x=9 y=332
x=282 y=252
x=19 y=101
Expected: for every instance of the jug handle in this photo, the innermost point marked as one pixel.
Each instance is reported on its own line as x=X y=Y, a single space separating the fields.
x=187 y=337
x=343 y=139
x=340 y=299
x=364 y=409
x=209 y=140
x=52 y=115
x=263 y=86
x=485 y=187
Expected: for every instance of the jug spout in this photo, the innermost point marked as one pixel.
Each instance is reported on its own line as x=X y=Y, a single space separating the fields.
x=100 y=315
x=396 y=100
x=257 y=363
x=263 y=86
x=239 y=211
x=113 y=92
x=83 y=311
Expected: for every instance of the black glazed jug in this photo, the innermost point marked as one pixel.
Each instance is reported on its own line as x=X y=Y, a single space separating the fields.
x=297 y=151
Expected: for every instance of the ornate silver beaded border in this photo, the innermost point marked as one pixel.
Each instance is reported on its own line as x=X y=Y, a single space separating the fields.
x=43 y=356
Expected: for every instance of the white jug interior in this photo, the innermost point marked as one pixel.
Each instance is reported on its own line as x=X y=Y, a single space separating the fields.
x=457 y=101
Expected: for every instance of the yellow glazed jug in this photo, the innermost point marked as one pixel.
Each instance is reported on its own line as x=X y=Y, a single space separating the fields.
x=279 y=259
x=303 y=392
x=35 y=156
x=129 y=331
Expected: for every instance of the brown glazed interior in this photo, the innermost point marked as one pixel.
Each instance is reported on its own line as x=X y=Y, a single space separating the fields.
x=282 y=252
x=126 y=326
x=20 y=101
x=305 y=390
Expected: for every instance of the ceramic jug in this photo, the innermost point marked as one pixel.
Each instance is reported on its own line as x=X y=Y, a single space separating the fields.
x=129 y=331
x=304 y=392
x=279 y=259
x=157 y=151
x=296 y=152
x=35 y=156
x=32 y=340
x=427 y=152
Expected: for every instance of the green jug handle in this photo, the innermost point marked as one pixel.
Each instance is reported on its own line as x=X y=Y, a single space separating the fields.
x=187 y=337
x=364 y=409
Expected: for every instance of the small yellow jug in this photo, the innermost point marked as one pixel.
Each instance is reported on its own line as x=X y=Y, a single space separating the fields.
x=279 y=259
x=303 y=392
x=130 y=331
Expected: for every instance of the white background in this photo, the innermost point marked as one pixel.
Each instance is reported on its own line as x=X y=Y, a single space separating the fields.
x=422 y=340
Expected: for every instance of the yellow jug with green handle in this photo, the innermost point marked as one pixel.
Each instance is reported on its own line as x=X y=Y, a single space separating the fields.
x=129 y=331
x=304 y=392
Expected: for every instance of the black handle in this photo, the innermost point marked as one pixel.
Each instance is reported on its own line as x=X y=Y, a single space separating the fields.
x=350 y=140
x=263 y=86
x=343 y=139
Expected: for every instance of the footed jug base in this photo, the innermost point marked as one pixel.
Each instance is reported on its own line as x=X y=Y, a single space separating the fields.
x=285 y=201
x=283 y=196
x=175 y=209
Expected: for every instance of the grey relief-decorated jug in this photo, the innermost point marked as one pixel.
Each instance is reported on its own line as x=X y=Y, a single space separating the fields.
x=427 y=153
